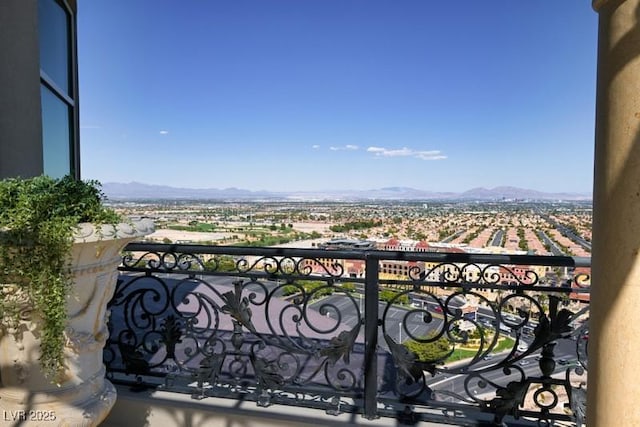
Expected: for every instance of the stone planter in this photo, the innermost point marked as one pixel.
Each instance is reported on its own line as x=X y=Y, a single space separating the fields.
x=84 y=397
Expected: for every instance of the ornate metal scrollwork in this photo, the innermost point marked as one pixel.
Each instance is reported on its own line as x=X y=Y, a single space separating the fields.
x=280 y=326
x=229 y=331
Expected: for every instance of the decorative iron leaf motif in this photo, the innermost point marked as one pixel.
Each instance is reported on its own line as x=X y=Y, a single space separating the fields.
x=209 y=369
x=553 y=327
x=508 y=399
x=341 y=346
x=133 y=359
x=560 y=325
x=267 y=373
x=319 y=362
x=237 y=307
x=171 y=335
x=405 y=360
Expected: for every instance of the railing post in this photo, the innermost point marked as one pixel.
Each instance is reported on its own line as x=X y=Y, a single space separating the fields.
x=371 y=338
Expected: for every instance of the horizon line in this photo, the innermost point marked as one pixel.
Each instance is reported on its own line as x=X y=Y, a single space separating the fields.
x=334 y=190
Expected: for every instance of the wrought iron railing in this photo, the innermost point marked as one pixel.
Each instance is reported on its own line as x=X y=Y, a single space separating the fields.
x=444 y=337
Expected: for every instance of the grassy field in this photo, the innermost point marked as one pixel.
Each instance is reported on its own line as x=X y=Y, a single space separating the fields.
x=462 y=353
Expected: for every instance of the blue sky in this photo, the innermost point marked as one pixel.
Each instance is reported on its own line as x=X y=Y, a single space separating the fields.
x=338 y=94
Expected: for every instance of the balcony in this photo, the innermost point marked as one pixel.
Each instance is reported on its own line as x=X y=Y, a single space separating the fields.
x=254 y=332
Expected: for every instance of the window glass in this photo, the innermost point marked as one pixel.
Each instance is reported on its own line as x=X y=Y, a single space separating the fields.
x=53 y=31
x=56 y=134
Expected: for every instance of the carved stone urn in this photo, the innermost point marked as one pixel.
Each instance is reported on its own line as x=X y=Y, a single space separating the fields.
x=82 y=396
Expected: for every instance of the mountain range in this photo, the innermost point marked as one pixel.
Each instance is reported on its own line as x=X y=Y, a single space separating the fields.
x=139 y=191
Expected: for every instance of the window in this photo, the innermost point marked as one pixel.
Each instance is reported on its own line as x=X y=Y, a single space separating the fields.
x=56 y=134
x=57 y=86
x=54 y=38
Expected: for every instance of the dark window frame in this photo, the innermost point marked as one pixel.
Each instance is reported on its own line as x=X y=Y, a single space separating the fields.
x=70 y=98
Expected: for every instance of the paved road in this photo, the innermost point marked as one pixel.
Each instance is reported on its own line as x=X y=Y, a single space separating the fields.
x=497 y=238
x=555 y=250
x=453 y=236
x=399 y=323
x=568 y=233
x=444 y=384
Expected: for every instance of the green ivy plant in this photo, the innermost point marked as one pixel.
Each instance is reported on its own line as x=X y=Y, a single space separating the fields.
x=38 y=218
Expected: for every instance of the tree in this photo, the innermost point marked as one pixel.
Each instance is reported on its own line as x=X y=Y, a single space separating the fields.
x=387 y=295
x=348 y=286
x=221 y=263
x=429 y=351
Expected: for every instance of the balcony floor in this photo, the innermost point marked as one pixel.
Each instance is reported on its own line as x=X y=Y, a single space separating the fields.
x=168 y=409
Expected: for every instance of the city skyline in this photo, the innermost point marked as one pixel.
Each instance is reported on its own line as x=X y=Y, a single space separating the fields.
x=320 y=95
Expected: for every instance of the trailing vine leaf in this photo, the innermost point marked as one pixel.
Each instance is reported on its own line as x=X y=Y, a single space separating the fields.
x=38 y=217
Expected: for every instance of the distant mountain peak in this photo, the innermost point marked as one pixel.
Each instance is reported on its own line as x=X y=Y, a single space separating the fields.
x=137 y=190
x=398 y=189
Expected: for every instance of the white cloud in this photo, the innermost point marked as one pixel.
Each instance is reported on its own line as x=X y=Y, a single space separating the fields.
x=349 y=147
x=164 y=132
x=430 y=155
x=407 y=152
x=315 y=146
x=376 y=149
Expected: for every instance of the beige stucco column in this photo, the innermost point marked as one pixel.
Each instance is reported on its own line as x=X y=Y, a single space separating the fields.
x=614 y=345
